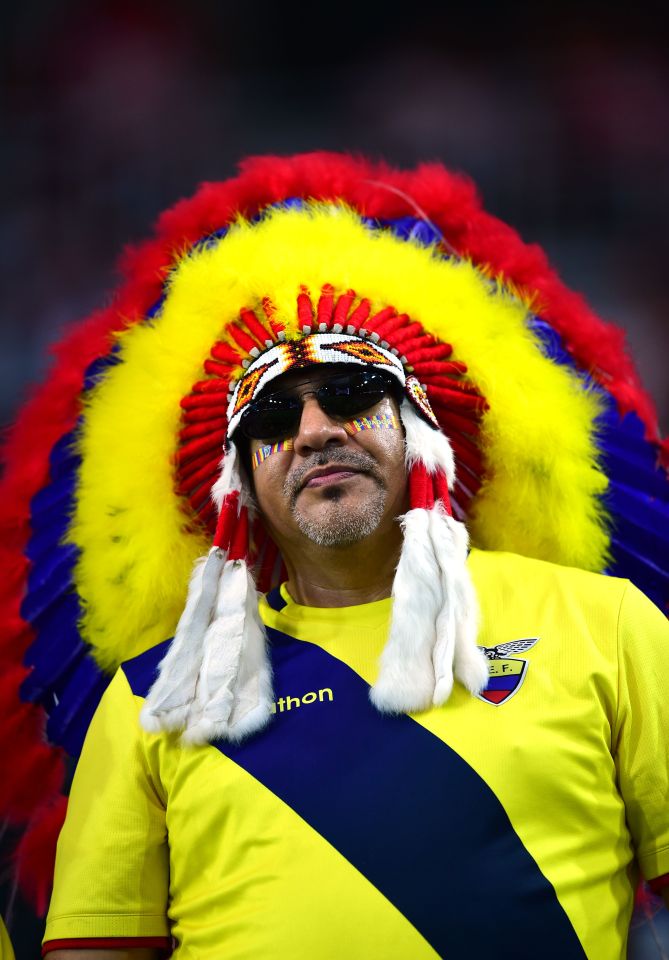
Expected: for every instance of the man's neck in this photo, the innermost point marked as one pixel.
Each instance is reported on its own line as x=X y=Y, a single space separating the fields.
x=342 y=576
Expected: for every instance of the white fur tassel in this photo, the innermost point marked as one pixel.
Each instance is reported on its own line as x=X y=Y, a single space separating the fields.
x=169 y=700
x=234 y=691
x=435 y=615
x=455 y=650
x=215 y=681
x=406 y=676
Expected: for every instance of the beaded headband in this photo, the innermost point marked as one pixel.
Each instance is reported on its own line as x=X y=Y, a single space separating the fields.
x=317 y=348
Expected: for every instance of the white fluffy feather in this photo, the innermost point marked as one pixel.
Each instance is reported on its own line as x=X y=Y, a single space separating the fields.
x=426 y=445
x=229 y=479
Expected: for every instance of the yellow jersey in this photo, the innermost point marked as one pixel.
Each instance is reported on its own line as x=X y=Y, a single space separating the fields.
x=507 y=825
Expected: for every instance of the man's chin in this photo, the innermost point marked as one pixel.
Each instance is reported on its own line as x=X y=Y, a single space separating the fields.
x=337 y=520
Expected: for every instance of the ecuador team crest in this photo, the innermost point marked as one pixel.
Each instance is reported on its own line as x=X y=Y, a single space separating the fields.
x=506 y=673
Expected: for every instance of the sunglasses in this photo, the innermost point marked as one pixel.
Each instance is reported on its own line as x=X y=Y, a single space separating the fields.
x=342 y=397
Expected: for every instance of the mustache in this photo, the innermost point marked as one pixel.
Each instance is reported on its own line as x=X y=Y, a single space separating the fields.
x=356 y=459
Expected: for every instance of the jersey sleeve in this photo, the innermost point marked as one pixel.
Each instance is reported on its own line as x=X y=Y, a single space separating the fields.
x=112 y=868
x=641 y=733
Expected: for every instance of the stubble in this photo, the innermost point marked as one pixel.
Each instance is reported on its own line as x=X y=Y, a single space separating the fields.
x=337 y=520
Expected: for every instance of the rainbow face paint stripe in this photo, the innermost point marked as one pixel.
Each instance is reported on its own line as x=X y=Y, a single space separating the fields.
x=262 y=453
x=380 y=421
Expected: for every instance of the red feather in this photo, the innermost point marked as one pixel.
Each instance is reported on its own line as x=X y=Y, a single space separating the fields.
x=36 y=854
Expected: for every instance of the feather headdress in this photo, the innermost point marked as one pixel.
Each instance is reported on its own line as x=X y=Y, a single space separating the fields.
x=107 y=499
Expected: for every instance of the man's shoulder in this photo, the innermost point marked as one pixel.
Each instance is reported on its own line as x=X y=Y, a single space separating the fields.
x=526 y=581
x=495 y=564
x=142 y=670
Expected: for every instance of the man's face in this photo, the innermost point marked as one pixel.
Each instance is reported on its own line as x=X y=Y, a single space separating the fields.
x=333 y=488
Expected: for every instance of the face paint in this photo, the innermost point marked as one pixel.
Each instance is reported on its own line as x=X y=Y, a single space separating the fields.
x=262 y=453
x=380 y=421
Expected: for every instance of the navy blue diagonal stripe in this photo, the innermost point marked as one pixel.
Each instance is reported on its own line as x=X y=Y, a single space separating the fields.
x=402 y=807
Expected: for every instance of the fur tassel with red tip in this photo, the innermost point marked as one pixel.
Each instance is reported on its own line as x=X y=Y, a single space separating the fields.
x=432 y=636
x=215 y=681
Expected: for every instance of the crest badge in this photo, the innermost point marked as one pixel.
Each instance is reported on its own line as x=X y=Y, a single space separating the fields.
x=506 y=673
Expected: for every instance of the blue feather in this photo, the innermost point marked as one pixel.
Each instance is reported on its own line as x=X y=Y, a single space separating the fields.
x=630 y=459
x=290 y=203
x=551 y=342
x=633 y=472
x=413 y=228
x=64 y=678
x=97 y=369
x=156 y=308
x=650 y=544
x=43 y=680
x=637 y=498
x=73 y=706
x=51 y=567
x=64 y=457
x=57 y=644
x=47 y=535
x=48 y=582
x=650 y=577
x=56 y=496
x=642 y=509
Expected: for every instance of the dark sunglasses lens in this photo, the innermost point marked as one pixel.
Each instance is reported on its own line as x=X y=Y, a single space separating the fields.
x=349 y=394
x=272 y=418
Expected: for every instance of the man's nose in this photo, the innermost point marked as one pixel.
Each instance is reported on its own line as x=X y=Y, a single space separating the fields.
x=317 y=430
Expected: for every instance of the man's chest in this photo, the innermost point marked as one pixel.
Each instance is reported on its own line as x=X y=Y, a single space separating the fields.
x=334 y=806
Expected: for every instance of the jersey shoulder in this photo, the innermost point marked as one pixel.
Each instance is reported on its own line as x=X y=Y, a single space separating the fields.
x=141 y=671
x=517 y=573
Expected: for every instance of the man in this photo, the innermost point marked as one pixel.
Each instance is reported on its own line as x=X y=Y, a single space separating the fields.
x=311 y=781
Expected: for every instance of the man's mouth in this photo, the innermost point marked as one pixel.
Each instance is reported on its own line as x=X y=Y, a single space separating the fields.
x=323 y=476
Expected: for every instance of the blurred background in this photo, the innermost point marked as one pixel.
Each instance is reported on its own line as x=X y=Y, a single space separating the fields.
x=111 y=111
